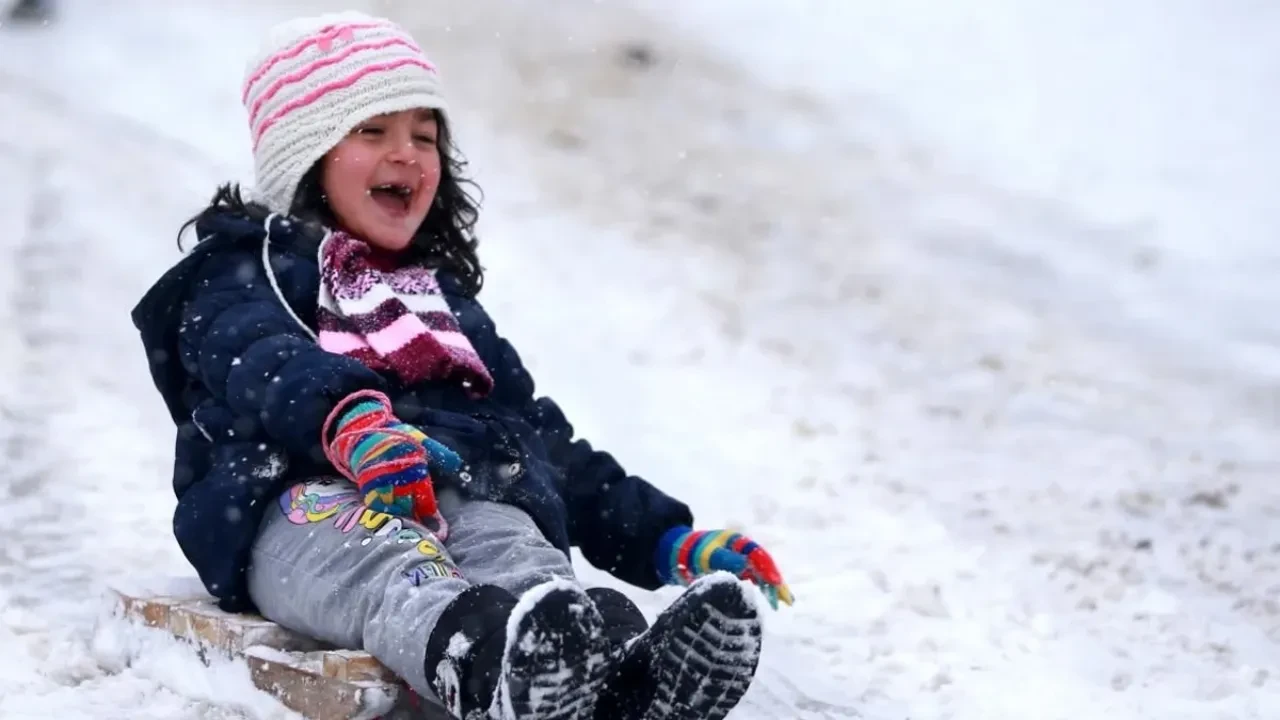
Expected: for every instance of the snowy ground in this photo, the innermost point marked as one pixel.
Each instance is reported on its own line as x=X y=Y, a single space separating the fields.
x=963 y=312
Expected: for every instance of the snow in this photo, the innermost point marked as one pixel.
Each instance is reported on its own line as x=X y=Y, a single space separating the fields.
x=1148 y=119
x=961 y=310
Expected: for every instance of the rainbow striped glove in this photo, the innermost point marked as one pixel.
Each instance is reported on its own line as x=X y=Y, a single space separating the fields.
x=390 y=461
x=685 y=554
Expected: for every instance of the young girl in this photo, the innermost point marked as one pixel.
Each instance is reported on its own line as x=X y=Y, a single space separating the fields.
x=361 y=457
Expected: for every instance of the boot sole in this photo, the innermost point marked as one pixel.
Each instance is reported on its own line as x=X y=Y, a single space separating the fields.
x=705 y=666
x=555 y=657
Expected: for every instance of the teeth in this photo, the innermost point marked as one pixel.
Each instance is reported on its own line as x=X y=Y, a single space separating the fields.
x=401 y=190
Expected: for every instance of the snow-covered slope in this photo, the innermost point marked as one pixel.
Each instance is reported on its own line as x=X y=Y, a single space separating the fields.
x=889 y=289
x=1149 y=124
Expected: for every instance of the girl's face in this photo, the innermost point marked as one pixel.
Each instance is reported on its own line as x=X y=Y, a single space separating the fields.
x=381 y=179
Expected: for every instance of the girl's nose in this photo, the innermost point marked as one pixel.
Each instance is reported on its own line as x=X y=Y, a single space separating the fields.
x=402 y=152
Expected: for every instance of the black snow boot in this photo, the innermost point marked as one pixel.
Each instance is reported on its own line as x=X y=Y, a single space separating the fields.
x=543 y=656
x=695 y=663
x=622 y=619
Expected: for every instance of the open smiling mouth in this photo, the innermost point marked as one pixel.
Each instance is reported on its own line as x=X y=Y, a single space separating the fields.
x=392 y=197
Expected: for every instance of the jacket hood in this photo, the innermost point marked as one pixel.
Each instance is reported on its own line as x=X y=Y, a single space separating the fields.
x=158 y=315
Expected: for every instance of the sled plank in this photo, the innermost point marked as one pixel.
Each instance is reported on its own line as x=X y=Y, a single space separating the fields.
x=200 y=620
x=320 y=697
x=317 y=682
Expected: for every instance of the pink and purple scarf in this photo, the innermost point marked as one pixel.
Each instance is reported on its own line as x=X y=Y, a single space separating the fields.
x=394 y=320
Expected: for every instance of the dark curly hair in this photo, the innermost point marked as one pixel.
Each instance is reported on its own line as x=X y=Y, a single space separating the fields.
x=445 y=240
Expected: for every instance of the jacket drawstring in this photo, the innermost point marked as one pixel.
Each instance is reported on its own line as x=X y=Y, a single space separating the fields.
x=271 y=277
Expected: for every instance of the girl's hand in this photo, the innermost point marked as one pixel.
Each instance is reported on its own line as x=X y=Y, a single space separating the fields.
x=685 y=554
x=389 y=461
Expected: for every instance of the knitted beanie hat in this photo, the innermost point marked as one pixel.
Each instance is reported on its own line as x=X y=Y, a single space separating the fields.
x=316 y=78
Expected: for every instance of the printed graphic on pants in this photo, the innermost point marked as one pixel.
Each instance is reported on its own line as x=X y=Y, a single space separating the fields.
x=338 y=501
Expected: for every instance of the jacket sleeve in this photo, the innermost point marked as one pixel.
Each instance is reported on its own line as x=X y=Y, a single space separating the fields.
x=238 y=339
x=211 y=517
x=615 y=519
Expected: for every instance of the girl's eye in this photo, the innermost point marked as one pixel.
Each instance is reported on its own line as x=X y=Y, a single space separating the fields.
x=425 y=139
x=368 y=130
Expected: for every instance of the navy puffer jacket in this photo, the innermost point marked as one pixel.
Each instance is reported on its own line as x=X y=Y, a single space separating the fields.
x=248 y=389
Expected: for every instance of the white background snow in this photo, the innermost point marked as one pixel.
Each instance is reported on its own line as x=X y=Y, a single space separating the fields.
x=966 y=310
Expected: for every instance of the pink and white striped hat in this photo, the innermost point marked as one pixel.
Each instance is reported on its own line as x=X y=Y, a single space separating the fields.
x=316 y=78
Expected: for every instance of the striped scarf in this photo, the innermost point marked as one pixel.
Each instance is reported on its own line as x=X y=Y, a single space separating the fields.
x=394 y=320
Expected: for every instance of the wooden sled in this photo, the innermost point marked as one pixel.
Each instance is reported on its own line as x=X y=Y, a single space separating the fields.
x=317 y=682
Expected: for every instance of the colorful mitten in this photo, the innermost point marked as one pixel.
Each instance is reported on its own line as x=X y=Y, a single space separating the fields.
x=442 y=461
x=685 y=554
x=389 y=460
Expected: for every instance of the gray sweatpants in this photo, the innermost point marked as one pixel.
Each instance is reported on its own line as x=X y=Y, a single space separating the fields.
x=327 y=566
